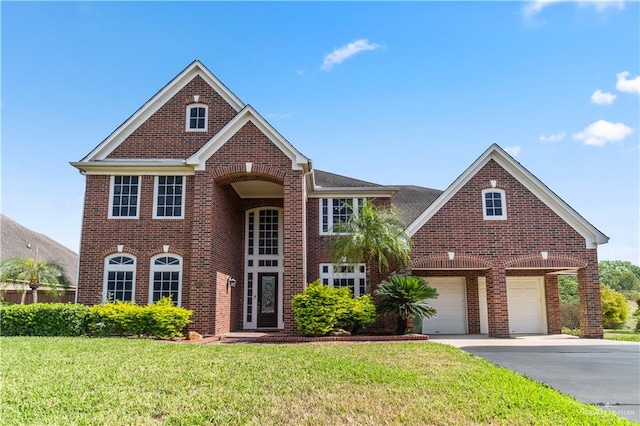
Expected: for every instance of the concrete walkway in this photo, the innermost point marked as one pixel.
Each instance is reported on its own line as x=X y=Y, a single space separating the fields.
x=600 y=372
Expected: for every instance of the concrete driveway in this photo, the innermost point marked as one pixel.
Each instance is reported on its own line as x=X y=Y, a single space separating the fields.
x=594 y=371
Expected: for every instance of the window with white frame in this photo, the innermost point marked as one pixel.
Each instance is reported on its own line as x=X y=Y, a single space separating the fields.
x=119 y=278
x=197 y=117
x=166 y=278
x=169 y=197
x=352 y=276
x=336 y=210
x=494 y=204
x=124 y=200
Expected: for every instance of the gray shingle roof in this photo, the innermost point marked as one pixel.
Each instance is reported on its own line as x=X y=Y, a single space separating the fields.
x=410 y=200
x=15 y=240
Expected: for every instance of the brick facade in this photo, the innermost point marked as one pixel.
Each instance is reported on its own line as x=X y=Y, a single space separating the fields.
x=211 y=237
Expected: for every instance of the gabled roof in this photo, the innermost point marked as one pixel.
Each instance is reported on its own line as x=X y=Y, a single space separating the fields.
x=196 y=68
x=412 y=200
x=331 y=180
x=248 y=114
x=591 y=234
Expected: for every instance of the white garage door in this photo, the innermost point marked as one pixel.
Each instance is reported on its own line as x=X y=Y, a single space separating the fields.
x=527 y=308
x=451 y=306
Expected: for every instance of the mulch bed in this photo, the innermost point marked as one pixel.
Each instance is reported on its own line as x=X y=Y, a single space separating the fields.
x=287 y=338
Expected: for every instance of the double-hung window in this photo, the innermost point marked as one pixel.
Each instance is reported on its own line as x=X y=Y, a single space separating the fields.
x=351 y=276
x=119 y=278
x=336 y=210
x=494 y=205
x=166 y=278
x=169 y=197
x=197 y=118
x=124 y=199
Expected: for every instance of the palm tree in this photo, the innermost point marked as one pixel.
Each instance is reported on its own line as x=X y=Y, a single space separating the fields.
x=373 y=233
x=34 y=272
x=405 y=296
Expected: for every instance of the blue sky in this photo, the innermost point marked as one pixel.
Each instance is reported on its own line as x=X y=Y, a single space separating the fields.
x=394 y=93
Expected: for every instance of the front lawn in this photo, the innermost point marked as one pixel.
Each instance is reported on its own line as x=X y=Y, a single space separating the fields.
x=624 y=335
x=68 y=381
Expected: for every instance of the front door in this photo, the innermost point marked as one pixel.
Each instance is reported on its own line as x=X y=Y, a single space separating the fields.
x=267 y=300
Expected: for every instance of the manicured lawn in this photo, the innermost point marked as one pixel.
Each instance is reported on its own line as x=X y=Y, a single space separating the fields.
x=624 y=335
x=69 y=381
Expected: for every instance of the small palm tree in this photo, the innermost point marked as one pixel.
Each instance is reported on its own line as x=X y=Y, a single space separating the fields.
x=35 y=273
x=373 y=233
x=405 y=296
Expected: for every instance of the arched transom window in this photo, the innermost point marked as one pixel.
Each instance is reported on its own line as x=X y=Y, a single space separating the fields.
x=119 y=278
x=166 y=278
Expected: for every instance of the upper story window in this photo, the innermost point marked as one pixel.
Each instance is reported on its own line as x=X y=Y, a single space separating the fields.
x=119 y=278
x=336 y=210
x=197 y=117
x=124 y=200
x=352 y=276
x=166 y=278
x=494 y=205
x=169 y=197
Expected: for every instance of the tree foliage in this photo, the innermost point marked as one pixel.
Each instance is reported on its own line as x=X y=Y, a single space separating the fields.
x=34 y=273
x=614 y=307
x=619 y=275
x=373 y=233
x=568 y=288
x=405 y=296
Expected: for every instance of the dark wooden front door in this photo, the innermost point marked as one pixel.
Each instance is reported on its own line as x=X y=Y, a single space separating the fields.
x=268 y=300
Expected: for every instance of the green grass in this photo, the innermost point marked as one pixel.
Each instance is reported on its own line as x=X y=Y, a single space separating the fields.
x=80 y=381
x=624 y=335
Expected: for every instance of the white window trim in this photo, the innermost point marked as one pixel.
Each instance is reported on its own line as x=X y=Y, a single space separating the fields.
x=356 y=206
x=156 y=183
x=188 y=117
x=504 y=204
x=360 y=272
x=165 y=268
x=112 y=183
x=125 y=268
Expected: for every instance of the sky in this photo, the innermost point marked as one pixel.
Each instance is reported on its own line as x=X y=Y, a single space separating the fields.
x=392 y=93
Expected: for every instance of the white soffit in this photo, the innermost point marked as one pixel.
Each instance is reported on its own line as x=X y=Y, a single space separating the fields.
x=258 y=189
x=196 y=68
x=592 y=235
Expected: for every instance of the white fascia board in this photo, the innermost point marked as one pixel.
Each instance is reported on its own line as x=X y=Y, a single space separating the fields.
x=156 y=102
x=591 y=234
x=135 y=167
x=248 y=114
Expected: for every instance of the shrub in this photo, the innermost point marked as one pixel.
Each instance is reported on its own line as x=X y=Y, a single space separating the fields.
x=359 y=314
x=162 y=319
x=322 y=308
x=570 y=314
x=614 y=307
x=44 y=319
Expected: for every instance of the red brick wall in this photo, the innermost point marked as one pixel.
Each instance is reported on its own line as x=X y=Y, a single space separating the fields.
x=163 y=135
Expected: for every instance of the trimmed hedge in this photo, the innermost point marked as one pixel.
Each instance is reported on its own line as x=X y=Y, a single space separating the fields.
x=161 y=320
x=322 y=308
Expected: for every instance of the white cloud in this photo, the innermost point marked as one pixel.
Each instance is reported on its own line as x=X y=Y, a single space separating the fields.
x=513 y=150
x=602 y=132
x=602 y=98
x=532 y=8
x=553 y=138
x=624 y=85
x=345 y=52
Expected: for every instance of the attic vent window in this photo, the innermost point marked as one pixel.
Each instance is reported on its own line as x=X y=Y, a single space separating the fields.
x=197 y=118
x=494 y=206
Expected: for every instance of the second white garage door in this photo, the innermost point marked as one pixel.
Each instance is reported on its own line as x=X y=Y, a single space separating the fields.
x=451 y=305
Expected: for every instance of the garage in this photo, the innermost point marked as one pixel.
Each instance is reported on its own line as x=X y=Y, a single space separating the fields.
x=451 y=305
x=527 y=309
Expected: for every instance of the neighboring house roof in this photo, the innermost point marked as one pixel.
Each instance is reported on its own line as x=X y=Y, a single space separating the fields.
x=196 y=68
x=591 y=234
x=18 y=241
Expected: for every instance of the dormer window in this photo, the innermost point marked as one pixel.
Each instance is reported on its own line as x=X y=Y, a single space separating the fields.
x=197 y=117
x=494 y=205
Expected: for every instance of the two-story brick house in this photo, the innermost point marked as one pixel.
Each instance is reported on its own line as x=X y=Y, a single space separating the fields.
x=197 y=197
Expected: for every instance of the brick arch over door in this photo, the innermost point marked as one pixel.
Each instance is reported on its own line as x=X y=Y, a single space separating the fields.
x=553 y=261
x=442 y=261
x=238 y=173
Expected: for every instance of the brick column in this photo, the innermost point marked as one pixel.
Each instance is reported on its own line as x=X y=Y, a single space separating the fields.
x=590 y=303
x=497 y=308
x=202 y=279
x=552 y=297
x=293 y=221
x=473 y=305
